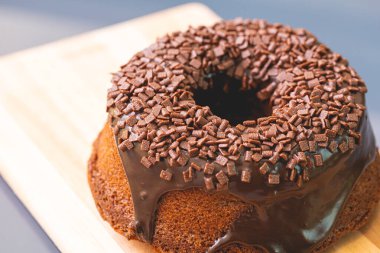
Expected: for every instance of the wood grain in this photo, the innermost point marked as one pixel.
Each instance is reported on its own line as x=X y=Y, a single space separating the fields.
x=52 y=105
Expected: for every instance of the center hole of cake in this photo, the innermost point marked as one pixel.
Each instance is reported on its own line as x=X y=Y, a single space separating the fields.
x=227 y=100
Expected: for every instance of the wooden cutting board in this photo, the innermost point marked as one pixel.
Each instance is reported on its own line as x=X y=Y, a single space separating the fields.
x=52 y=105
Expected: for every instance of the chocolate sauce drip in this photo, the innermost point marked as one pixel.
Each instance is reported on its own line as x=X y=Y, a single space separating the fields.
x=286 y=218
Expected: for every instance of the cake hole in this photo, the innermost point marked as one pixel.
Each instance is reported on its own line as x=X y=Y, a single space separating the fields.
x=226 y=100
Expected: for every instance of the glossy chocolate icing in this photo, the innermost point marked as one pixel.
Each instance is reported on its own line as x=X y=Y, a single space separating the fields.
x=286 y=218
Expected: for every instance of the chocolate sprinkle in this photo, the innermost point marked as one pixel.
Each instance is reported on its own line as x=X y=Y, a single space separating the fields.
x=246 y=176
x=145 y=161
x=188 y=175
x=318 y=160
x=221 y=177
x=333 y=146
x=221 y=160
x=209 y=183
x=264 y=168
x=231 y=169
x=343 y=147
x=196 y=166
x=166 y=175
x=274 y=179
x=209 y=168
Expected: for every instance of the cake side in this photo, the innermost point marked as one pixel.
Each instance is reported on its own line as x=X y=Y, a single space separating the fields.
x=109 y=185
x=190 y=221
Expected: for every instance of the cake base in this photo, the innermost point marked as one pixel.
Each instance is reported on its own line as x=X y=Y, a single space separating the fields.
x=191 y=220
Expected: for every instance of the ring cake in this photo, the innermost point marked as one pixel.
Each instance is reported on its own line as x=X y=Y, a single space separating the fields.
x=240 y=137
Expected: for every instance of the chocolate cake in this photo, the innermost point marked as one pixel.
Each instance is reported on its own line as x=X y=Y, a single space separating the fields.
x=241 y=137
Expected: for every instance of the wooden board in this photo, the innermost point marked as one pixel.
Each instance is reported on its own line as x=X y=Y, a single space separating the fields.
x=52 y=105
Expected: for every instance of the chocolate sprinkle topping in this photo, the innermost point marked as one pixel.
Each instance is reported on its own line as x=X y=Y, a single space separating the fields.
x=264 y=168
x=274 y=179
x=209 y=168
x=222 y=178
x=231 y=169
x=166 y=175
x=154 y=95
x=246 y=176
x=318 y=160
x=209 y=183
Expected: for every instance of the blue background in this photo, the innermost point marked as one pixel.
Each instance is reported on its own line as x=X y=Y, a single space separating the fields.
x=349 y=27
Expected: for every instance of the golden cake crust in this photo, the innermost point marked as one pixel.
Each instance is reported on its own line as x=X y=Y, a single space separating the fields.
x=191 y=220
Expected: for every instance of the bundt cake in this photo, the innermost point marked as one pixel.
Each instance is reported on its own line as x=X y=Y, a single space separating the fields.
x=244 y=136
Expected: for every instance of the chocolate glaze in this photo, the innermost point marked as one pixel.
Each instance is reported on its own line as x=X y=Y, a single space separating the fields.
x=286 y=218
